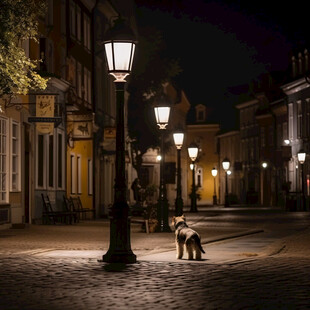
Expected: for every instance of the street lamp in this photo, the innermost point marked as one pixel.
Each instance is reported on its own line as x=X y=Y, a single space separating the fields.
x=178 y=138
x=193 y=152
x=226 y=165
x=119 y=47
x=162 y=112
x=301 y=158
x=214 y=174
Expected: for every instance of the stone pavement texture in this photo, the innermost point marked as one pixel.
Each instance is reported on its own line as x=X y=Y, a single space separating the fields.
x=48 y=267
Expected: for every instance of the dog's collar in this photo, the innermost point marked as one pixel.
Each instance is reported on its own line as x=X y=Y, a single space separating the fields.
x=179 y=224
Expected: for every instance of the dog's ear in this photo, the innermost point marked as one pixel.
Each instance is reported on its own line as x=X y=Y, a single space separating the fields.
x=173 y=220
x=183 y=216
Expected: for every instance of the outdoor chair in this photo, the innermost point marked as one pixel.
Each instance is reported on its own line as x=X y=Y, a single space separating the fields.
x=79 y=209
x=68 y=204
x=51 y=216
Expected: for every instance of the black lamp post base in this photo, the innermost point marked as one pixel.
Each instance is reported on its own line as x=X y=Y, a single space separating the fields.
x=226 y=201
x=119 y=257
x=120 y=249
x=179 y=207
x=214 y=200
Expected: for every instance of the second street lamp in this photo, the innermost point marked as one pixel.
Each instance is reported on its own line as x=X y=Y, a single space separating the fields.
x=193 y=153
x=214 y=174
x=119 y=50
x=178 y=138
x=301 y=158
x=226 y=165
x=162 y=112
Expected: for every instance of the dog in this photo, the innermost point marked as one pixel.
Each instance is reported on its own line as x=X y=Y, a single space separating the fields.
x=188 y=237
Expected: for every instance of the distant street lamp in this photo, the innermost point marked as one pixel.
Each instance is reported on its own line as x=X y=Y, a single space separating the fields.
x=162 y=112
x=226 y=165
x=214 y=174
x=301 y=158
x=193 y=153
x=178 y=138
x=119 y=47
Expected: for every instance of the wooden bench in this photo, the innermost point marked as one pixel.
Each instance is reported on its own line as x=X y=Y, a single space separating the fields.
x=69 y=207
x=51 y=216
x=79 y=209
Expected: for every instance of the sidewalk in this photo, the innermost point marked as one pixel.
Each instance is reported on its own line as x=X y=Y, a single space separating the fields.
x=91 y=239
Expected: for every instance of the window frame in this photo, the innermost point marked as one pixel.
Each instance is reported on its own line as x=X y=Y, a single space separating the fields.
x=17 y=155
x=4 y=152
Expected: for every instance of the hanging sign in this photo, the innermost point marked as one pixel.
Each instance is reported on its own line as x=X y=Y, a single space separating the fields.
x=45 y=109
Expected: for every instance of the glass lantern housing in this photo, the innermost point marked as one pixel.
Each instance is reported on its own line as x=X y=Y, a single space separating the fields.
x=178 y=138
x=214 y=172
x=193 y=151
x=119 y=45
x=301 y=156
x=226 y=164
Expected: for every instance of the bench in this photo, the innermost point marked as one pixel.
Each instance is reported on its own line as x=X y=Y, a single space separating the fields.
x=79 y=209
x=51 y=216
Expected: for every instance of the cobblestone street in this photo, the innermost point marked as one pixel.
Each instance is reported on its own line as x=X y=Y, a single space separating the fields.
x=29 y=282
x=273 y=274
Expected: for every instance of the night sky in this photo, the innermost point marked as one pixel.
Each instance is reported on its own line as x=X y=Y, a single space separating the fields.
x=223 y=45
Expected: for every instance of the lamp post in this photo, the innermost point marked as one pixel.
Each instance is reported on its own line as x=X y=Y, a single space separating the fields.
x=119 y=47
x=301 y=158
x=214 y=174
x=162 y=112
x=226 y=165
x=264 y=197
x=178 y=138
x=193 y=152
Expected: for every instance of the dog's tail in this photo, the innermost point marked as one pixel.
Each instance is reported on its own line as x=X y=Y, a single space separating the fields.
x=199 y=244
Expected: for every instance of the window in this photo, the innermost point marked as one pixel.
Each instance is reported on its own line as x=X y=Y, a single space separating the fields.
x=60 y=160
x=284 y=131
x=73 y=174
x=262 y=137
x=15 y=157
x=78 y=23
x=79 y=80
x=271 y=136
x=40 y=161
x=299 y=120
x=79 y=174
x=72 y=19
x=86 y=32
x=4 y=195
x=90 y=177
x=50 y=13
x=51 y=161
x=87 y=85
x=290 y=120
x=199 y=177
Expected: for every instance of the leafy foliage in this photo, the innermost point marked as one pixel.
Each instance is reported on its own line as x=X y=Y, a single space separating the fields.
x=19 y=22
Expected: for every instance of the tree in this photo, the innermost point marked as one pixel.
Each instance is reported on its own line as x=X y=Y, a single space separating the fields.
x=19 y=22
x=152 y=68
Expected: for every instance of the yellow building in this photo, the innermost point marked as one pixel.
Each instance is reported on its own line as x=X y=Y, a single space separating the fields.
x=202 y=133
